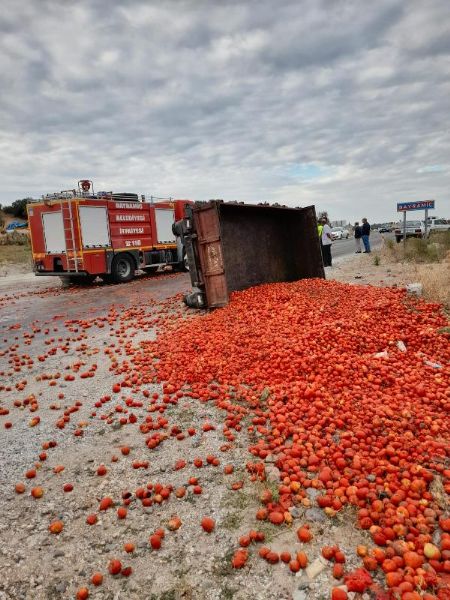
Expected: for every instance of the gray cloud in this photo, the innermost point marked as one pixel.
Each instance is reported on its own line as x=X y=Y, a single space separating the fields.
x=340 y=104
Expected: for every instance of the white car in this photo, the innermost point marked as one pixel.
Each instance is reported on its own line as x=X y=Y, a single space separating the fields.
x=339 y=233
x=413 y=229
x=436 y=224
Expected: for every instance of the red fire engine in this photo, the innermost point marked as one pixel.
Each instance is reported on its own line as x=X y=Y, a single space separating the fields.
x=79 y=235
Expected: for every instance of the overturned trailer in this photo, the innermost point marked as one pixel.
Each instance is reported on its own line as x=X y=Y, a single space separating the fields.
x=231 y=246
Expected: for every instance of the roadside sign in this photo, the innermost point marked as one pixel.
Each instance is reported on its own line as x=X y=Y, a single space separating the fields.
x=420 y=205
x=404 y=207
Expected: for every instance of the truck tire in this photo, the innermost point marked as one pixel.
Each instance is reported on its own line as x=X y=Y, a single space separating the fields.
x=122 y=268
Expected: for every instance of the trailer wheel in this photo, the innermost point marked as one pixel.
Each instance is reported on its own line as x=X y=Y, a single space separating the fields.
x=122 y=268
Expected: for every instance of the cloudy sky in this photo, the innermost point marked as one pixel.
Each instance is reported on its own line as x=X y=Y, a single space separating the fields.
x=341 y=104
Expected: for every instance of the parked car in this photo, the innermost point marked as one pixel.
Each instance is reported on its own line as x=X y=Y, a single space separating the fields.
x=339 y=233
x=413 y=229
x=385 y=229
x=435 y=224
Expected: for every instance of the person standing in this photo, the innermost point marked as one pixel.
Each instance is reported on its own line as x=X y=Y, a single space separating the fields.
x=319 y=231
x=358 y=236
x=365 y=230
x=319 y=228
x=326 y=243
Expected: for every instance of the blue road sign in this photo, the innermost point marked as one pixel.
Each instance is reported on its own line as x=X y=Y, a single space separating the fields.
x=420 y=205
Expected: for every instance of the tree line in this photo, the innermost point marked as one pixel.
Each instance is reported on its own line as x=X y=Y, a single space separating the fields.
x=17 y=209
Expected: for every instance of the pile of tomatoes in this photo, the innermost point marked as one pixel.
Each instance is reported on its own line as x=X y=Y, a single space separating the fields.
x=347 y=388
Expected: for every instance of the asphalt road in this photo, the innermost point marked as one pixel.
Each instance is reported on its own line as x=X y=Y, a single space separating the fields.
x=346 y=247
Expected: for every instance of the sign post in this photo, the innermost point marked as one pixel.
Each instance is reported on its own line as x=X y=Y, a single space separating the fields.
x=404 y=207
x=404 y=228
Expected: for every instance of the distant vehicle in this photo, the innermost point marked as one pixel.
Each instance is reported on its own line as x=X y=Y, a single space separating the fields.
x=339 y=233
x=436 y=224
x=385 y=229
x=413 y=229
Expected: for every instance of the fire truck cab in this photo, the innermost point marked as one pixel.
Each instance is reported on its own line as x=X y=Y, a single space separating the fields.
x=79 y=234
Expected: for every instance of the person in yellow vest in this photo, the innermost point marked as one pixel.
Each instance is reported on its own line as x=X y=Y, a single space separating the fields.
x=319 y=229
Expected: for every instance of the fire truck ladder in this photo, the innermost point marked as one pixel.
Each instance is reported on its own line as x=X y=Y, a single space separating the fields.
x=69 y=237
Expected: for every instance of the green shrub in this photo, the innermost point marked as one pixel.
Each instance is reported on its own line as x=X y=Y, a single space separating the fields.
x=18 y=208
x=440 y=237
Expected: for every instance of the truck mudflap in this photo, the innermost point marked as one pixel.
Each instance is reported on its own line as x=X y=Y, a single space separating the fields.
x=234 y=246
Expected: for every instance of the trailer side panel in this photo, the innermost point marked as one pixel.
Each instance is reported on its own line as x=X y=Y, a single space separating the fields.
x=209 y=250
x=243 y=245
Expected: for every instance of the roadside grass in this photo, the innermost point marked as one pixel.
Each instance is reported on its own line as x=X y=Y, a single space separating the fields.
x=15 y=249
x=427 y=261
x=417 y=250
x=18 y=255
x=435 y=280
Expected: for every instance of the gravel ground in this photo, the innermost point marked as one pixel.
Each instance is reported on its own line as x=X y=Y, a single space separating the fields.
x=53 y=344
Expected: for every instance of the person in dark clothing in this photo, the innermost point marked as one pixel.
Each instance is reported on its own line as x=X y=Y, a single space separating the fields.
x=326 y=243
x=358 y=236
x=365 y=230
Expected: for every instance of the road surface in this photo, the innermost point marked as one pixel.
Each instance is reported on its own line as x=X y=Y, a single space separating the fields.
x=342 y=248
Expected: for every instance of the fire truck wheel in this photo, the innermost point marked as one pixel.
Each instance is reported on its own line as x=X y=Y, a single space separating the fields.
x=122 y=268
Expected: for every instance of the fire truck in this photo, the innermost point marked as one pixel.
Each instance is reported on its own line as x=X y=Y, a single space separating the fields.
x=79 y=234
